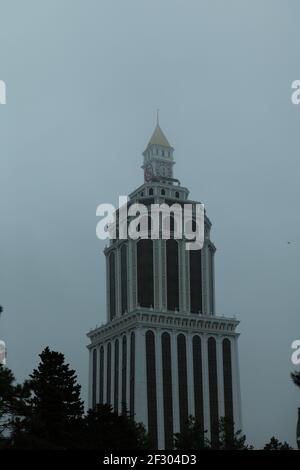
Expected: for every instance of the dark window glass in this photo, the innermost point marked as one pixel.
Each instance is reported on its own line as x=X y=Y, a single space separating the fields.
x=211 y=280
x=182 y=381
x=227 y=376
x=101 y=375
x=124 y=278
x=213 y=390
x=195 y=281
x=94 y=385
x=116 y=377
x=163 y=192
x=151 y=388
x=172 y=275
x=124 y=374
x=198 y=385
x=167 y=389
x=132 y=374
x=108 y=374
x=145 y=273
x=150 y=192
x=112 y=285
x=177 y=194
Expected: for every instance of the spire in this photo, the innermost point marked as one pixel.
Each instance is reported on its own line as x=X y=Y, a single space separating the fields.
x=158 y=137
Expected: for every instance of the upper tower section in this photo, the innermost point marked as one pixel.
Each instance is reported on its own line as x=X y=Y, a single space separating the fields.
x=158 y=158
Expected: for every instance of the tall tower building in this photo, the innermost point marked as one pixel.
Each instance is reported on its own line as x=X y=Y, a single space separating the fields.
x=164 y=353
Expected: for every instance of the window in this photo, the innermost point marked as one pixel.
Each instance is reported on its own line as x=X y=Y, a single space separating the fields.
x=227 y=376
x=195 y=281
x=112 y=285
x=94 y=384
x=108 y=374
x=211 y=279
x=172 y=275
x=198 y=386
x=132 y=374
x=182 y=382
x=163 y=192
x=101 y=376
x=116 y=377
x=124 y=374
x=151 y=192
x=151 y=388
x=213 y=390
x=177 y=194
x=145 y=282
x=124 y=278
x=167 y=389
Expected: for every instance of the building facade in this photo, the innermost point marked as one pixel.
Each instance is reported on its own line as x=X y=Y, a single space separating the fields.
x=164 y=353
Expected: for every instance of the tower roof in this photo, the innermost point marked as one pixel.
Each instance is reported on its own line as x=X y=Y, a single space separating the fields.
x=159 y=138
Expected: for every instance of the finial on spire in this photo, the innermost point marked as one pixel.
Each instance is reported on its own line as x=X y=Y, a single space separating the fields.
x=157 y=116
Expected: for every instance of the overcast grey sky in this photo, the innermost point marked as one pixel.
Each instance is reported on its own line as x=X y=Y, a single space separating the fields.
x=84 y=79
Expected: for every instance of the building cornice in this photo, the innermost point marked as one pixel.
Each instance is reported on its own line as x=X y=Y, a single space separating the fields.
x=183 y=322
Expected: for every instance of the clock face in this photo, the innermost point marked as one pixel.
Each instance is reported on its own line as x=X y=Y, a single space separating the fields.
x=148 y=172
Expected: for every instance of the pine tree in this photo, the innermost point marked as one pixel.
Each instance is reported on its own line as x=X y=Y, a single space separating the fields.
x=54 y=410
x=296 y=378
x=105 y=429
x=275 y=444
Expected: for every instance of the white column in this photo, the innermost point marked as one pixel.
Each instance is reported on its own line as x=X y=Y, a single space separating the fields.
x=141 y=414
x=236 y=392
x=206 y=402
x=175 y=391
x=159 y=391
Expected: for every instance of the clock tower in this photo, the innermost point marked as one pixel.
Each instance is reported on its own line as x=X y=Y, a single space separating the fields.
x=158 y=158
x=165 y=351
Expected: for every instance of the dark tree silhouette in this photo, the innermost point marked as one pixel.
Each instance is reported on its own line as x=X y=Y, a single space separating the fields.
x=105 y=429
x=54 y=410
x=296 y=378
x=275 y=444
x=192 y=437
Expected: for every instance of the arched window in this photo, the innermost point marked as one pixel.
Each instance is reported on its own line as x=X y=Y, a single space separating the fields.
x=151 y=192
x=101 y=376
x=151 y=388
x=112 y=285
x=182 y=381
x=198 y=384
x=213 y=390
x=124 y=374
x=124 y=278
x=132 y=374
x=167 y=389
x=108 y=375
x=172 y=275
x=116 y=377
x=177 y=194
x=94 y=384
x=145 y=281
x=195 y=281
x=227 y=377
x=211 y=280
